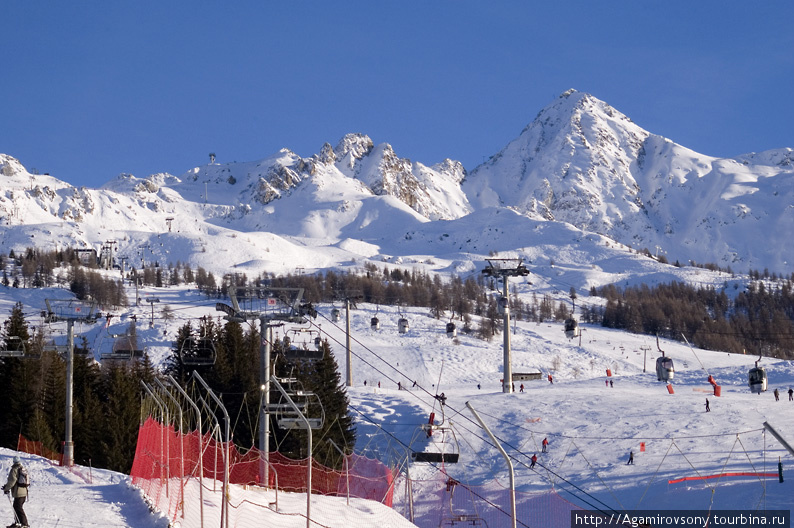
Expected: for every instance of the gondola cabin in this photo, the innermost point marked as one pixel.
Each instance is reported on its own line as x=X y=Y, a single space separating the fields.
x=503 y=305
x=374 y=323
x=402 y=325
x=665 y=371
x=757 y=380
x=452 y=330
x=572 y=328
x=336 y=315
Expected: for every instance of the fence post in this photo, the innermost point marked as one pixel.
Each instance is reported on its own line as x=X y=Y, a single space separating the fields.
x=201 y=446
x=181 y=446
x=227 y=451
x=275 y=382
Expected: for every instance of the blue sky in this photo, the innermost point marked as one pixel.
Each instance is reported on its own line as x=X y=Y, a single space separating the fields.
x=91 y=89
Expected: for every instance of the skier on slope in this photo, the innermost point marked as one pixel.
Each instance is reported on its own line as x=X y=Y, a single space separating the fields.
x=17 y=486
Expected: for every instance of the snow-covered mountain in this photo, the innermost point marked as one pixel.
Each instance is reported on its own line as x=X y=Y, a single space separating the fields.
x=583 y=162
x=580 y=162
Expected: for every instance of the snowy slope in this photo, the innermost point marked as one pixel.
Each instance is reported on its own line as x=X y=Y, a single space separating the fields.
x=591 y=427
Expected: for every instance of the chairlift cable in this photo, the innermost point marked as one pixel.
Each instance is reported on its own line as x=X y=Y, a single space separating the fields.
x=611 y=492
x=466 y=417
x=653 y=476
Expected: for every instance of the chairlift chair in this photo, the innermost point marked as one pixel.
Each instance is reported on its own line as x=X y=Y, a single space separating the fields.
x=197 y=351
x=122 y=349
x=305 y=401
x=463 y=519
x=447 y=451
x=13 y=346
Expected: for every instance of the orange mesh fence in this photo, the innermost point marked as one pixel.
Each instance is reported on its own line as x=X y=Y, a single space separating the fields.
x=36 y=448
x=720 y=475
x=166 y=462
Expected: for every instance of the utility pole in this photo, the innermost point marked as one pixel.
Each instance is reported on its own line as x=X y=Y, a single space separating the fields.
x=502 y=269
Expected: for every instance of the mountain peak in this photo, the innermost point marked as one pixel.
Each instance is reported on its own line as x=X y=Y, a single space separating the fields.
x=10 y=166
x=356 y=144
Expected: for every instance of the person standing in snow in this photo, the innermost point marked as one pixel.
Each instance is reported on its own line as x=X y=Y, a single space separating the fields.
x=545 y=444
x=790 y=394
x=534 y=459
x=708 y=407
x=631 y=458
x=777 y=395
x=18 y=488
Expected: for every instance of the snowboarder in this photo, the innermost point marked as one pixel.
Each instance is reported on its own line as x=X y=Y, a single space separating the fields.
x=17 y=486
x=790 y=394
x=631 y=458
x=708 y=407
x=534 y=459
x=777 y=395
x=545 y=444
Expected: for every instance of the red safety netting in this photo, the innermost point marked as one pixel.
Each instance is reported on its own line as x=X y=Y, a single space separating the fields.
x=163 y=454
x=36 y=448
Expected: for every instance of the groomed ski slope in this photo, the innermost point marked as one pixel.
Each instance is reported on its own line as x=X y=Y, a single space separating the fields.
x=591 y=427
